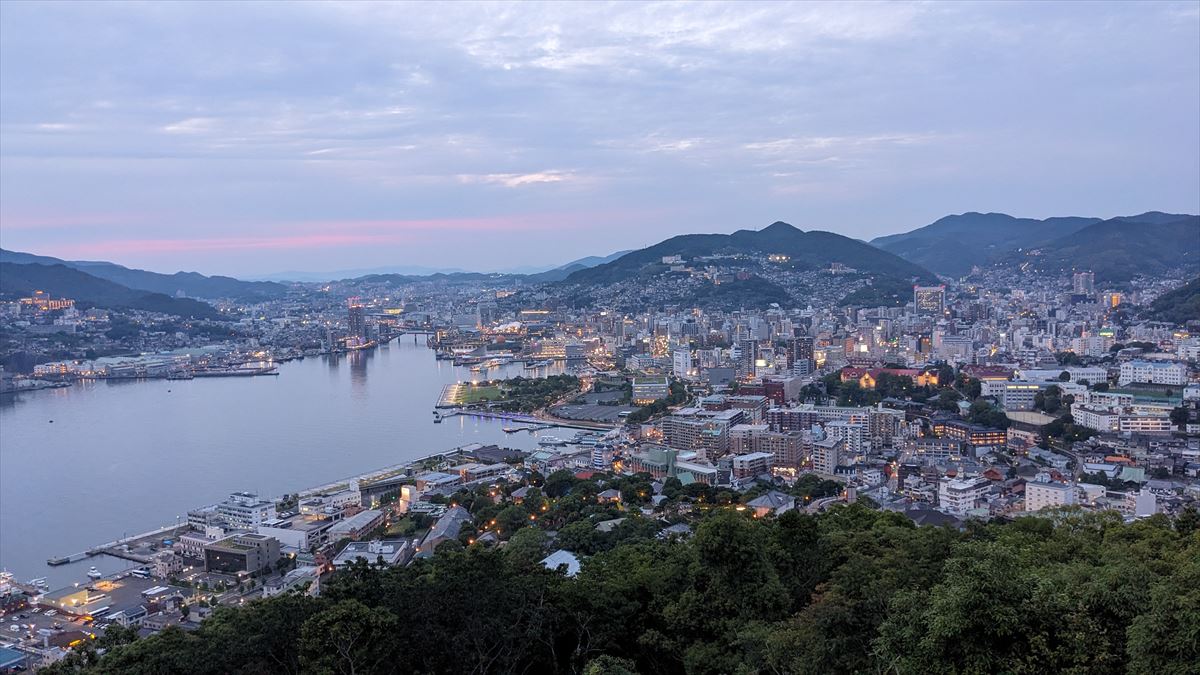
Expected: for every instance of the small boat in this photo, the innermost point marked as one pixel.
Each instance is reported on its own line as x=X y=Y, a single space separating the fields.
x=510 y=430
x=39 y=582
x=94 y=573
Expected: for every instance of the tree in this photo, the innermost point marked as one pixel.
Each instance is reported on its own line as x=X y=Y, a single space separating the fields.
x=1179 y=417
x=610 y=665
x=510 y=519
x=947 y=399
x=349 y=637
x=526 y=548
x=1064 y=376
x=558 y=483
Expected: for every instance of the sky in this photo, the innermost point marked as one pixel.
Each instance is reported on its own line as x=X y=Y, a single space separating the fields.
x=250 y=139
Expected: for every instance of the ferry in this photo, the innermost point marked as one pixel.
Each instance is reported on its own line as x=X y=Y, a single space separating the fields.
x=538 y=364
x=94 y=573
x=551 y=440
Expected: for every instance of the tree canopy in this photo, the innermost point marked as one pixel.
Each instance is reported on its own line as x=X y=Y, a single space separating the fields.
x=849 y=590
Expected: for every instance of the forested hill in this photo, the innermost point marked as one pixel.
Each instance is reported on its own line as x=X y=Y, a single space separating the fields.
x=1115 y=249
x=1178 y=306
x=852 y=590
x=954 y=244
x=193 y=284
x=1119 y=249
x=813 y=250
x=64 y=282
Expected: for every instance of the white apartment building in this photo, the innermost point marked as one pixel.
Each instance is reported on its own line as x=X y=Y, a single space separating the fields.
x=245 y=509
x=850 y=433
x=1039 y=495
x=1091 y=346
x=960 y=495
x=682 y=364
x=1153 y=372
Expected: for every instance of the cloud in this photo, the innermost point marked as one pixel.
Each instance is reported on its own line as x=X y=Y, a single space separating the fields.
x=191 y=125
x=515 y=180
x=237 y=123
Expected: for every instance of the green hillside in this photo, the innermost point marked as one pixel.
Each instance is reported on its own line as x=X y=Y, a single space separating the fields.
x=810 y=250
x=848 y=591
x=954 y=244
x=1178 y=306
x=62 y=281
x=193 y=284
x=1119 y=249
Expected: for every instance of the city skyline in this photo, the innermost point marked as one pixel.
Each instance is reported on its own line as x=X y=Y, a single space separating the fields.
x=360 y=136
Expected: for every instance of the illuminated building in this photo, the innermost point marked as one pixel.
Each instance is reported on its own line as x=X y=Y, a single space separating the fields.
x=800 y=359
x=356 y=318
x=929 y=299
x=41 y=301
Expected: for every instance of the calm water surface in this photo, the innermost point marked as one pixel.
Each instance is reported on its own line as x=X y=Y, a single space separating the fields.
x=124 y=457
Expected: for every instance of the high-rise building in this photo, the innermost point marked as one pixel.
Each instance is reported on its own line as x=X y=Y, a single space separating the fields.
x=1083 y=283
x=929 y=299
x=747 y=355
x=682 y=364
x=356 y=318
x=800 y=360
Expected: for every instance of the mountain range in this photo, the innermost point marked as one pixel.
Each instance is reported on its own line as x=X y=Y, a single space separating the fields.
x=416 y=271
x=192 y=284
x=1119 y=249
x=1115 y=249
x=18 y=280
x=952 y=245
x=807 y=250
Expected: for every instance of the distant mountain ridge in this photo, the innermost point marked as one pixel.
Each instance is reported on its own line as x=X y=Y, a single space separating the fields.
x=193 y=284
x=812 y=249
x=1118 y=249
x=952 y=245
x=18 y=280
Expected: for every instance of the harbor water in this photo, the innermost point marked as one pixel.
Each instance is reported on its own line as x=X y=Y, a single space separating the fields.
x=92 y=463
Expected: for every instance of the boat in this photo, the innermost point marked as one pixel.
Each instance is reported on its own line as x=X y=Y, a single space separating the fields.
x=180 y=375
x=39 y=582
x=551 y=440
x=510 y=430
x=94 y=573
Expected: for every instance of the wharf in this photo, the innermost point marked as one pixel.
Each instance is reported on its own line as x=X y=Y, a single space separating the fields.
x=536 y=421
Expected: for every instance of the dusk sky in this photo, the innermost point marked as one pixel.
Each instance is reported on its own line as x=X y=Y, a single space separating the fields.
x=248 y=139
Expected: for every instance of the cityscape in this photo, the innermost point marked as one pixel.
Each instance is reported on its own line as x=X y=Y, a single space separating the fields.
x=971 y=445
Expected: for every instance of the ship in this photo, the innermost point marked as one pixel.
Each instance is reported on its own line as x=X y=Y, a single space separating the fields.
x=551 y=440
x=94 y=573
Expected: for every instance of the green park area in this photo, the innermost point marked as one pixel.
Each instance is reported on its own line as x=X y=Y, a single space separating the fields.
x=479 y=393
